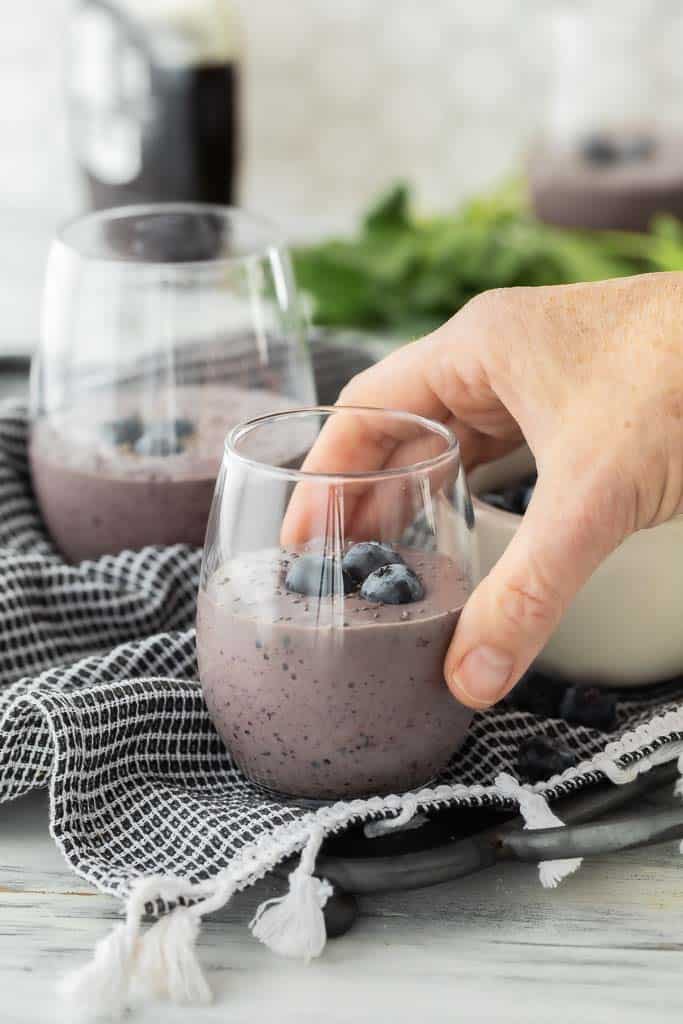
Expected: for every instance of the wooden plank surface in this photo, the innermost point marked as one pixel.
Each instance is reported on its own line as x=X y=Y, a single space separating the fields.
x=607 y=945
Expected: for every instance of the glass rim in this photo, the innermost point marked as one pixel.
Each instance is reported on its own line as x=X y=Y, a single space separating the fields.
x=229 y=213
x=452 y=450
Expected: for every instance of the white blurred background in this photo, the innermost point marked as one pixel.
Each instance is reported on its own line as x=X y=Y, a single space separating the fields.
x=342 y=97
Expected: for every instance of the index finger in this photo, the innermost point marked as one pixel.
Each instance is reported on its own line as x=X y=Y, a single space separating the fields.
x=439 y=377
x=355 y=447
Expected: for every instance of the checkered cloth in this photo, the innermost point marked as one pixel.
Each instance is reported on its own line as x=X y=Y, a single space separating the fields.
x=100 y=703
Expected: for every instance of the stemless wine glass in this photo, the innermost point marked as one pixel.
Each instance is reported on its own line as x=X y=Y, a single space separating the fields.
x=163 y=327
x=339 y=553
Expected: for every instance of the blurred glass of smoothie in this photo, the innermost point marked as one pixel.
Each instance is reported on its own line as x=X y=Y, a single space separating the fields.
x=610 y=155
x=163 y=327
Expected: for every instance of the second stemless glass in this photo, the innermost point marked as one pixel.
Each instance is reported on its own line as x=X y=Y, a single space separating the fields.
x=163 y=327
x=339 y=553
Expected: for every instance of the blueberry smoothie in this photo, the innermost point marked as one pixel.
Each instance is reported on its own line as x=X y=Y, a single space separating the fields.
x=613 y=180
x=325 y=677
x=144 y=475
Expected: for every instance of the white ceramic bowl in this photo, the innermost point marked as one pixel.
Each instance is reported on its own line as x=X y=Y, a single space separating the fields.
x=625 y=627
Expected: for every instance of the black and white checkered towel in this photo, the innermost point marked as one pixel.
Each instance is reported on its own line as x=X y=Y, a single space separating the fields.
x=100 y=704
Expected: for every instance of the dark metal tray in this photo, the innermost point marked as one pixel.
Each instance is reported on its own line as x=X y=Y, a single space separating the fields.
x=460 y=841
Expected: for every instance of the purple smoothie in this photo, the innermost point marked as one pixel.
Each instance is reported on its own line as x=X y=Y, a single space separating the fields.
x=571 y=189
x=328 y=698
x=98 y=497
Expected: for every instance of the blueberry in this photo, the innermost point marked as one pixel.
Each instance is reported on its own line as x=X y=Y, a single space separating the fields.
x=515 y=497
x=508 y=500
x=156 y=442
x=590 y=706
x=538 y=759
x=392 y=584
x=124 y=431
x=364 y=558
x=526 y=495
x=538 y=694
x=600 y=150
x=527 y=488
x=183 y=428
x=314 y=576
x=165 y=437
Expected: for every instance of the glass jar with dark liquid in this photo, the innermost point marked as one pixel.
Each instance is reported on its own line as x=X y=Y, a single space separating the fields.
x=153 y=99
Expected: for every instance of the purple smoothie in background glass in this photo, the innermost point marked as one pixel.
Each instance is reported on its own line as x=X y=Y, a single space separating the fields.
x=322 y=662
x=610 y=152
x=154 y=486
x=616 y=180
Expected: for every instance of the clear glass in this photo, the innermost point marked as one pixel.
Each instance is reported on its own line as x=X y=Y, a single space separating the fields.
x=610 y=153
x=163 y=327
x=321 y=662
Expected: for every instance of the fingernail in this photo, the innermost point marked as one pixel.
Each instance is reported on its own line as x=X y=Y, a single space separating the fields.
x=483 y=674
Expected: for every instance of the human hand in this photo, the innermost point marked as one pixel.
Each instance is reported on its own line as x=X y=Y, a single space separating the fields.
x=591 y=376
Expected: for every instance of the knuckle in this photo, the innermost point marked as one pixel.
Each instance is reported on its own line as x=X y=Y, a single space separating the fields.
x=496 y=304
x=353 y=388
x=500 y=319
x=484 y=306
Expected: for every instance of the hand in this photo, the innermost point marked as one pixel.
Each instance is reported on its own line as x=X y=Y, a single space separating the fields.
x=591 y=375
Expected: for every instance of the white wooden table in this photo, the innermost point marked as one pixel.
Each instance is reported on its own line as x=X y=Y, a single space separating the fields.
x=606 y=946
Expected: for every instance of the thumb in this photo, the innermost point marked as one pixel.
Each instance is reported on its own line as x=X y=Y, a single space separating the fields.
x=515 y=609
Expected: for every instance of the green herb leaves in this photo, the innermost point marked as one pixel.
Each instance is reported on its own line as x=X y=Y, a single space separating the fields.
x=406 y=274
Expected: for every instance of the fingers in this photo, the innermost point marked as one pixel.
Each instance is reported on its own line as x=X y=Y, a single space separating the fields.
x=565 y=534
x=440 y=377
x=401 y=381
x=352 y=441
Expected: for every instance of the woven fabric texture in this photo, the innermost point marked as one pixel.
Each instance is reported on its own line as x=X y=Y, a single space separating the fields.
x=100 y=702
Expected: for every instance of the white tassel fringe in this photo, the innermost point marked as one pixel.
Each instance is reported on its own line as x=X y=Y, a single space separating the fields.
x=163 y=962
x=537 y=814
x=99 y=989
x=294 y=924
x=407 y=818
x=678 y=788
x=167 y=963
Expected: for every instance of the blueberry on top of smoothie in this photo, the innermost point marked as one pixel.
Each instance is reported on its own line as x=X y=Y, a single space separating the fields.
x=183 y=428
x=315 y=576
x=127 y=430
x=392 y=584
x=165 y=437
x=600 y=150
x=367 y=556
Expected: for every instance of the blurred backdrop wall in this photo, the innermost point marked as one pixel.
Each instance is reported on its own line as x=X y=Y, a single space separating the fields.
x=341 y=98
